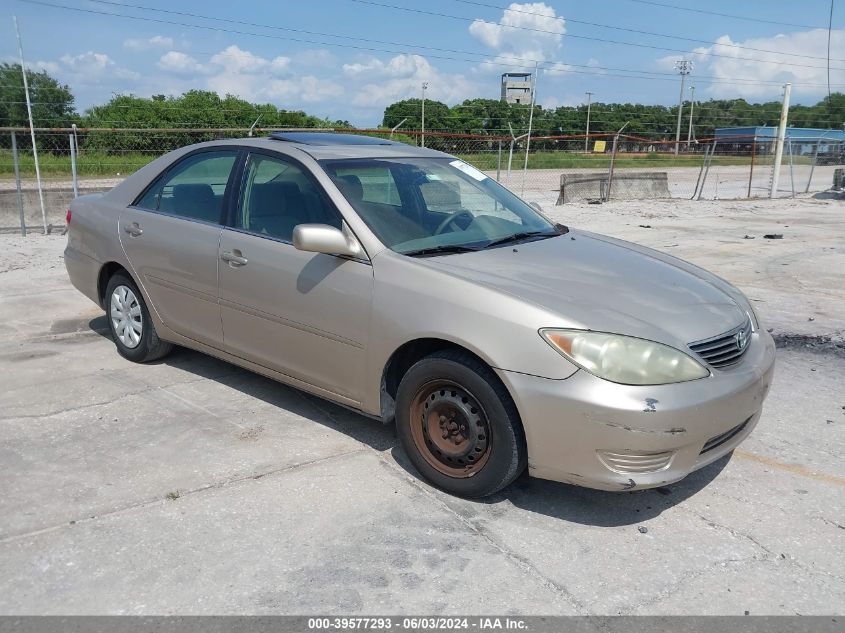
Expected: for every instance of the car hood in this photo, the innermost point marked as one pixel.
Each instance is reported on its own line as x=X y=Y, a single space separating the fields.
x=598 y=283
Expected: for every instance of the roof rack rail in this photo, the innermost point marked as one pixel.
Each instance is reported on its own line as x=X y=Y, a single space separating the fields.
x=328 y=138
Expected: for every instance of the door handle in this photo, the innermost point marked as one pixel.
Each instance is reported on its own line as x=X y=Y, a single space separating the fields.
x=234 y=257
x=134 y=229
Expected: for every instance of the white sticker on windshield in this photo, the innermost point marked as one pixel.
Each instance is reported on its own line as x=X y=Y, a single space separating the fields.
x=469 y=170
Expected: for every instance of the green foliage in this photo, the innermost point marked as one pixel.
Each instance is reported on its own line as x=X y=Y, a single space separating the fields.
x=196 y=109
x=491 y=117
x=52 y=103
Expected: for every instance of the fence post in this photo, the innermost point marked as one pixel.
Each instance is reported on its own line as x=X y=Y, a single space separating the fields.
x=73 y=165
x=813 y=165
x=499 y=161
x=700 y=171
x=791 y=173
x=707 y=169
x=610 y=169
x=18 y=183
x=613 y=160
x=784 y=114
x=751 y=172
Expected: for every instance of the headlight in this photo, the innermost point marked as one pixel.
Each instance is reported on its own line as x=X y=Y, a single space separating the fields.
x=625 y=359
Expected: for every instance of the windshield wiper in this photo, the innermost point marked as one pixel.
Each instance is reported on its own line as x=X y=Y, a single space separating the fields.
x=442 y=249
x=516 y=237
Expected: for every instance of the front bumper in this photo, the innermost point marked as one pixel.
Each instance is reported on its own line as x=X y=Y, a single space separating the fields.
x=590 y=432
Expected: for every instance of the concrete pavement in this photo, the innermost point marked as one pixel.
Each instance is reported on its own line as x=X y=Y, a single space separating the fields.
x=191 y=486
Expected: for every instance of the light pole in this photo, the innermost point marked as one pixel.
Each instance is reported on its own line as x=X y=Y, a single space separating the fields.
x=422 y=121
x=691 y=111
x=684 y=67
x=587 y=137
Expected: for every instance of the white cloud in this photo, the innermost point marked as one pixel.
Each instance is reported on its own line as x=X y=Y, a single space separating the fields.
x=729 y=71
x=401 y=77
x=156 y=41
x=315 y=58
x=526 y=32
x=249 y=76
x=51 y=68
x=309 y=88
x=236 y=60
x=180 y=63
x=92 y=67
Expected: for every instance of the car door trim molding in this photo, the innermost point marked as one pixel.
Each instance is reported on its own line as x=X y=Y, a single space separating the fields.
x=275 y=374
x=234 y=305
x=170 y=285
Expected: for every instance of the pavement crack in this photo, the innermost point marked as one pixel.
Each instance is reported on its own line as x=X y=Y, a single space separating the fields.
x=519 y=561
x=682 y=582
x=161 y=500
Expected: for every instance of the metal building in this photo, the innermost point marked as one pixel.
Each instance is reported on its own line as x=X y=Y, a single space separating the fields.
x=517 y=88
x=804 y=140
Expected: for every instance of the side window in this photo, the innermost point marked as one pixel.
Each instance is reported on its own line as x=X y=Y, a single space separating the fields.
x=193 y=188
x=278 y=195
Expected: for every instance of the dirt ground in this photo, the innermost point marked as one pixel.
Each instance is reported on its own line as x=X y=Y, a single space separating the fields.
x=190 y=486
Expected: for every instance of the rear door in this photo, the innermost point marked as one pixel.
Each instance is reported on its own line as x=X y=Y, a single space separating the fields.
x=303 y=314
x=171 y=237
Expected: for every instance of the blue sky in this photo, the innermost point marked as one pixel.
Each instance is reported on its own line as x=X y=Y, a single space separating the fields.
x=357 y=57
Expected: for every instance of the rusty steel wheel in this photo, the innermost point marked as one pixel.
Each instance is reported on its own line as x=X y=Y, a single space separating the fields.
x=450 y=429
x=458 y=425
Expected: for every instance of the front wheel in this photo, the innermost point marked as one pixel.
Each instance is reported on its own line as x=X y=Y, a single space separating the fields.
x=459 y=426
x=130 y=324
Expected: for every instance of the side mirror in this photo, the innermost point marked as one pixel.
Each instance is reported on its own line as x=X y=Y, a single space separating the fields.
x=536 y=207
x=322 y=238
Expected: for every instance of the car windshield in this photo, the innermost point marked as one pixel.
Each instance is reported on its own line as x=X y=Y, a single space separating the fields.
x=422 y=206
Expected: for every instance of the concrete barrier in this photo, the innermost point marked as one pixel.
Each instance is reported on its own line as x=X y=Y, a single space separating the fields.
x=626 y=185
x=56 y=201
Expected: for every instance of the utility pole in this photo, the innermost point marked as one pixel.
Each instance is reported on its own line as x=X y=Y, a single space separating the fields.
x=684 y=67
x=422 y=122
x=784 y=112
x=691 y=111
x=31 y=126
x=587 y=137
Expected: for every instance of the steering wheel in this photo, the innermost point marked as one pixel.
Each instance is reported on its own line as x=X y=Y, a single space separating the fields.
x=451 y=219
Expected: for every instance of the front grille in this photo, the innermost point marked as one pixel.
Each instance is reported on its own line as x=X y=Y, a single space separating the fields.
x=635 y=463
x=727 y=436
x=726 y=349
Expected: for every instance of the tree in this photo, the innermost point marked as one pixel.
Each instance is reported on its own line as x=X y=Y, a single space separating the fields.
x=52 y=103
x=200 y=109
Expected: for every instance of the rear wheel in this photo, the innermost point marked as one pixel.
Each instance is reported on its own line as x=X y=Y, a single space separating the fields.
x=130 y=324
x=459 y=426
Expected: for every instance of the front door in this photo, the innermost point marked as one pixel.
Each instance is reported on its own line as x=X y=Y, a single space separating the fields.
x=171 y=238
x=303 y=314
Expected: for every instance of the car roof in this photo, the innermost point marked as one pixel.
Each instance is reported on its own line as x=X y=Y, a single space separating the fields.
x=336 y=145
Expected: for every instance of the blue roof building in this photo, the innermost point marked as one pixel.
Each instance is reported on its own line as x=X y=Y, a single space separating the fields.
x=804 y=139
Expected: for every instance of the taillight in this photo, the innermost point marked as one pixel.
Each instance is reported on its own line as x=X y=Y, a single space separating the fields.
x=68 y=216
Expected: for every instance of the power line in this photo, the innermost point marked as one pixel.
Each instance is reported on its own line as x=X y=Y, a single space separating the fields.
x=640 y=32
x=582 y=37
x=524 y=60
x=723 y=15
x=598 y=71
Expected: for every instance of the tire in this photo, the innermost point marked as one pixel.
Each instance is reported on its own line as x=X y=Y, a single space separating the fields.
x=131 y=327
x=459 y=426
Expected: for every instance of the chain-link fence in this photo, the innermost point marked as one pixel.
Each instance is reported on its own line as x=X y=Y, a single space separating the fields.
x=546 y=169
